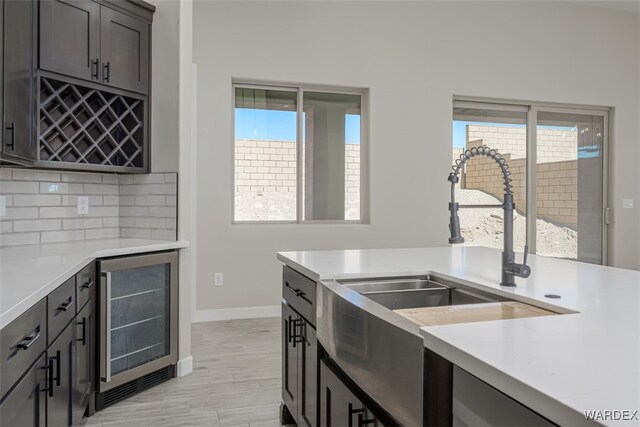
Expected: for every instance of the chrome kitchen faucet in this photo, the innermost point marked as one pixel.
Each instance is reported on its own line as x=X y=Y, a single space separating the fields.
x=510 y=269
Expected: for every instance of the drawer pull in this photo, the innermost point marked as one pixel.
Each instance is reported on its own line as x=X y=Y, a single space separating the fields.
x=88 y=284
x=29 y=340
x=65 y=306
x=299 y=293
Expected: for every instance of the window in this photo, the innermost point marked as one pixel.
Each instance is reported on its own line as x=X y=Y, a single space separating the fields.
x=556 y=157
x=298 y=154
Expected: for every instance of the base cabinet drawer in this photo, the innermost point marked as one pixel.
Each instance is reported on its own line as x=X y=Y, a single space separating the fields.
x=25 y=405
x=22 y=342
x=86 y=285
x=61 y=308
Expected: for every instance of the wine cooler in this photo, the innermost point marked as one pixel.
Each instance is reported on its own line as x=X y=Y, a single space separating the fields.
x=137 y=324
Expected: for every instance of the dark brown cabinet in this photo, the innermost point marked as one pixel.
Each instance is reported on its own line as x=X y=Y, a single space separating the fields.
x=84 y=382
x=75 y=84
x=60 y=357
x=340 y=407
x=18 y=81
x=124 y=47
x=299 y=367
x=25 y=405
x=70 y=38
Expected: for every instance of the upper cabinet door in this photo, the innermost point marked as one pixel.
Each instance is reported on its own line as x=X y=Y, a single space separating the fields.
x=70 y=37
x=125 y=51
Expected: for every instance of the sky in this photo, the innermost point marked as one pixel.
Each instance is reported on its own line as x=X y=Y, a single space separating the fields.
x=281 y=125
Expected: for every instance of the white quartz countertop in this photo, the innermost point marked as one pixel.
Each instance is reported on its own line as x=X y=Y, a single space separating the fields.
x=559 y=366
x=28 y=273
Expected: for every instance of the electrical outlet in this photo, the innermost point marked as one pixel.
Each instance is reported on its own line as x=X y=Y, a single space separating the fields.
x=218 y=279
x=627 y=203
x=83 y=205
x=3 y=205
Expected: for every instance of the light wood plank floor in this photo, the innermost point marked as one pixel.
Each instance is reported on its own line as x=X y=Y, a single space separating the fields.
x=235 y=382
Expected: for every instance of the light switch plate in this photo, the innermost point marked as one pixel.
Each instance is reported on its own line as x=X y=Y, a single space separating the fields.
x=218 y=279
x=627 y=203
x=3 y=205
x=83 y=205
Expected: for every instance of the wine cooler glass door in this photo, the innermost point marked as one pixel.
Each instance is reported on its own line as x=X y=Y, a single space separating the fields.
x=138 y=325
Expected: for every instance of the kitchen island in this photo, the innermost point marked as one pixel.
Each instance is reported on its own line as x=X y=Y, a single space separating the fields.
x=585 y=358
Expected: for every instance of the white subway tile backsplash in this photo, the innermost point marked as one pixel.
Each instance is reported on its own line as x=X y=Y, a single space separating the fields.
x=15 y=239
x=82 y=223
x=37 y=200
x=146 y=222
x=157 y=178
x=83 y=177
x=25 y=175
x=101 y=189
x=18 y=187
x=60 y=188
x=135 y=233
x=102 y=233
x=42 y=206
x=21 y=213
x=27 y=225
x=61 y=236
x=150 y=201
x=110 y=179
x=59 y=212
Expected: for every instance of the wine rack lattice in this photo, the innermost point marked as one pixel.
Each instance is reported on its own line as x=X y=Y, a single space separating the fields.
x=83 y=125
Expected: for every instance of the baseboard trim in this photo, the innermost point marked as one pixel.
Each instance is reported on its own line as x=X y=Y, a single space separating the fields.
x=235 y=313
x=185 y=366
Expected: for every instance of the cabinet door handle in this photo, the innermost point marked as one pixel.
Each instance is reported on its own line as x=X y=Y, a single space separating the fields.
x=65 y=306
x=83 y=340
x=55 y=378
x=361 y=413
x=49 y=379
x=94 y=69
x=12 y=128
x=88 y=284
x=295 y=337
x=106 y=73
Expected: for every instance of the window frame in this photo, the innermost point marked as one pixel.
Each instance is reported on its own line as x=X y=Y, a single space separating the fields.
x=532 y=110
x=300 y=89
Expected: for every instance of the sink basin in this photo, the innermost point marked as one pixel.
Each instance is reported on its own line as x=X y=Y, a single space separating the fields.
x=392 y=285
x=415 y=292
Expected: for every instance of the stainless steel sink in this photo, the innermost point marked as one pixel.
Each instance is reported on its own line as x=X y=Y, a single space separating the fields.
x=412 y=292
x=402 y=292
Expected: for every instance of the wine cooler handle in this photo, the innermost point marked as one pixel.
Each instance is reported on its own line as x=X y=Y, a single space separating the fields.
x=105 y=334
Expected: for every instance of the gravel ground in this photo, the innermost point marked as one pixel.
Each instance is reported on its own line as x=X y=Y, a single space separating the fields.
x=483 y=227
x=281 y=206
x=480 y=227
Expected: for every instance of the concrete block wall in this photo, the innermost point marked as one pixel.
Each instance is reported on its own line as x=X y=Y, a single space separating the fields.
x=41 y=206
x=554 y=145
x=270 y=166
x=557 y=185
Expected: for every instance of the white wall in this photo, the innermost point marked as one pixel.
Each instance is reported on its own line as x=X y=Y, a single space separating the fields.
x=164 y=86
x=414 y=57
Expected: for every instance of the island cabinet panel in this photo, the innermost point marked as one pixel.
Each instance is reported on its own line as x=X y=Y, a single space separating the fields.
x=289 y=361
x=61 y=359
x=125 y=51
x=25 y=406
x=339 y=406
x=477 y=403
x=299 y=348
x=70 y=37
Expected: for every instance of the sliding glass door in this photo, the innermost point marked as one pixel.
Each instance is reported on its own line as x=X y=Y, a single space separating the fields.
x=557 y=157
